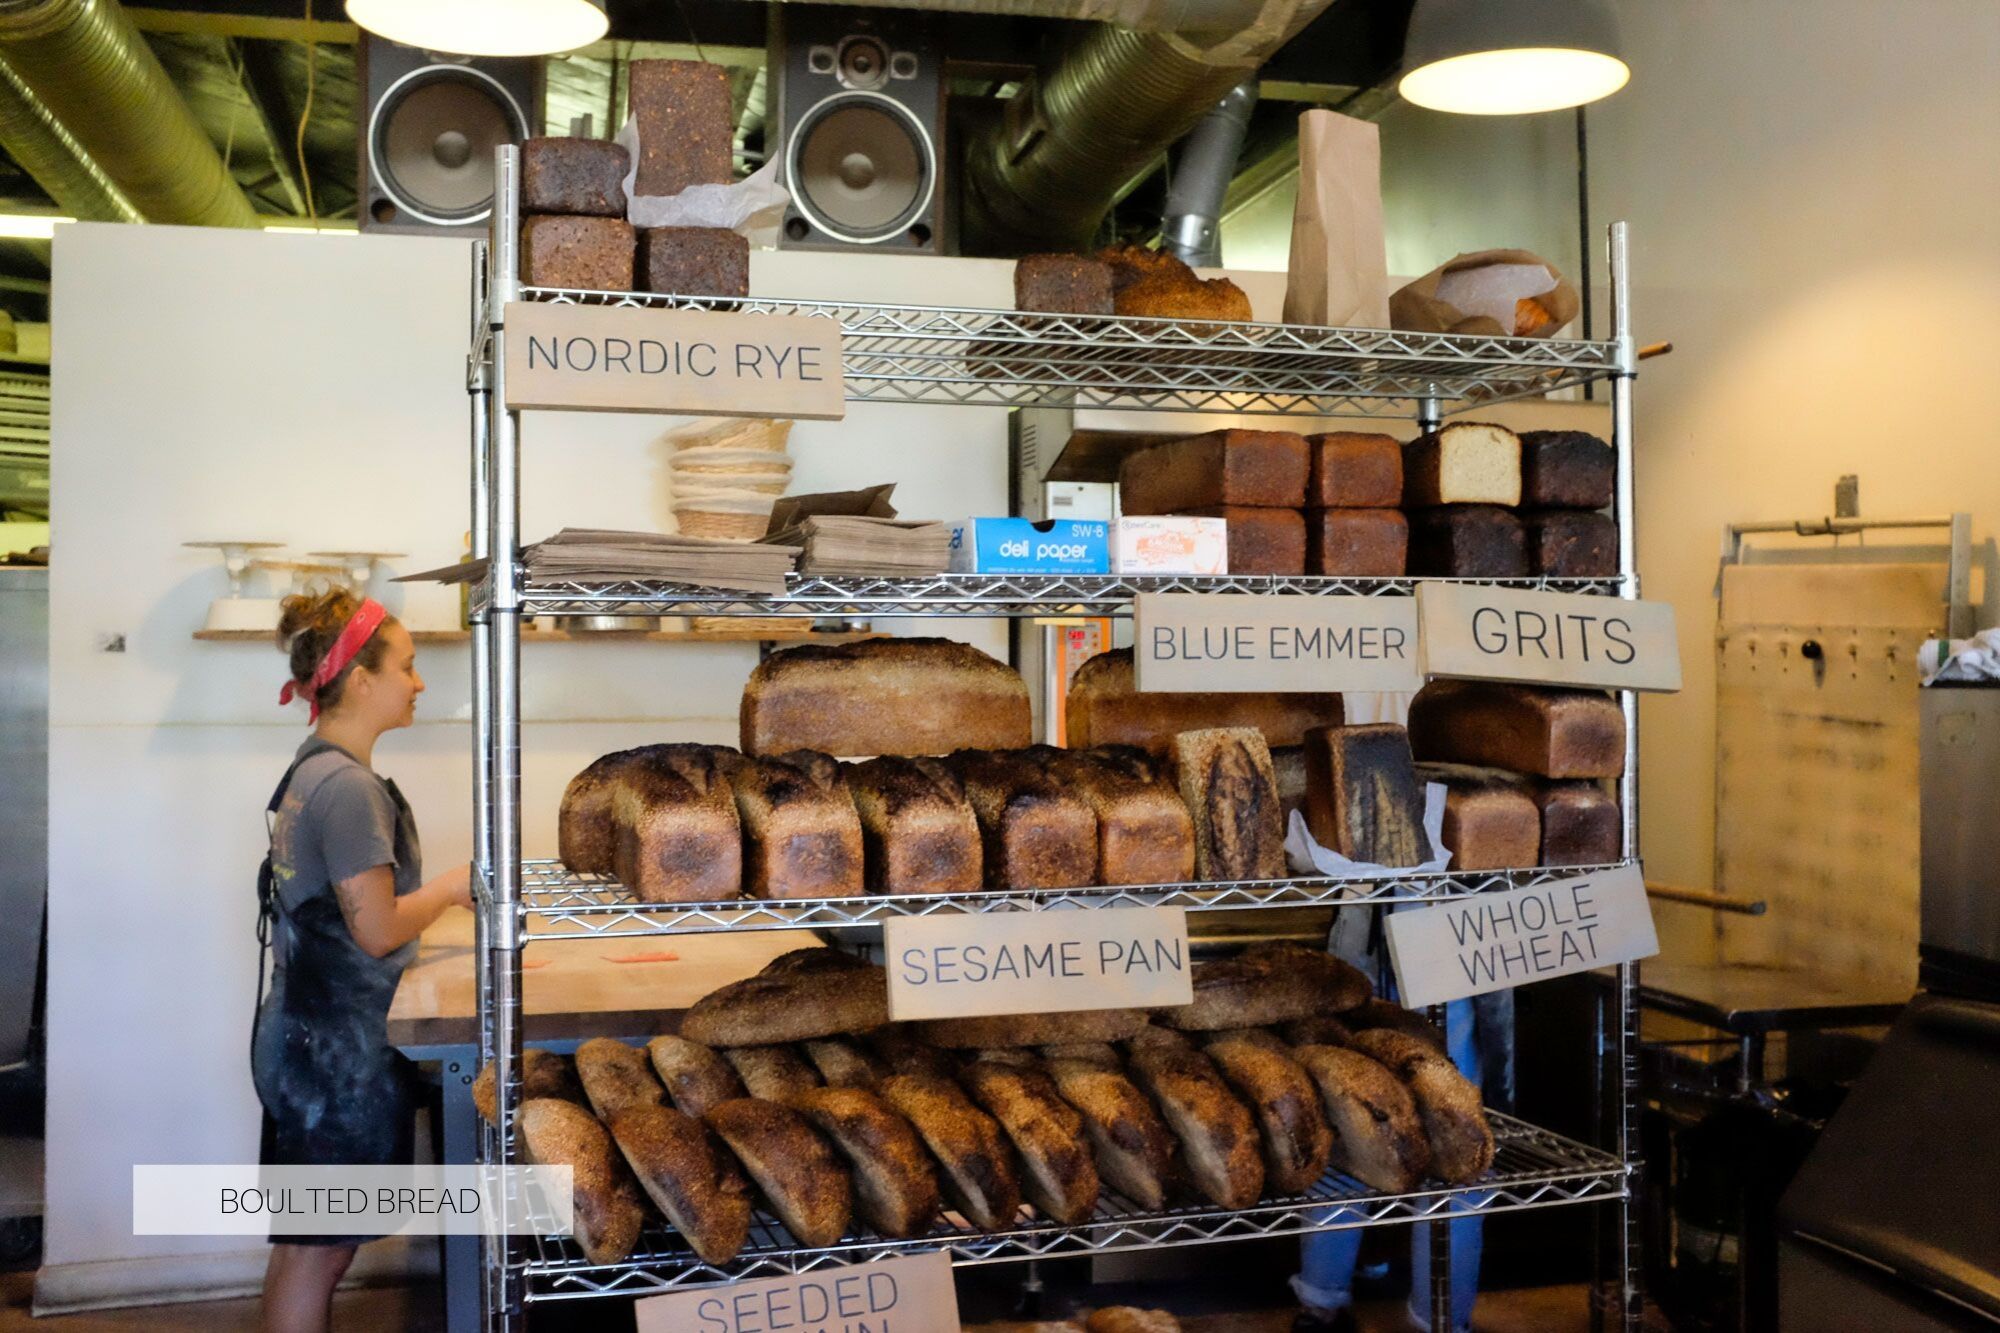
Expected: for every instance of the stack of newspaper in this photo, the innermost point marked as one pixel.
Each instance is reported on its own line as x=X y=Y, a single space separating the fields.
x=600 y=555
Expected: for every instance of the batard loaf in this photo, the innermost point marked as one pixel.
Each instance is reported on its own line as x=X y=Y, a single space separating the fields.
x=607 y=1211
x=616 y=1076
x=1231 y=791
x=1362 y=795
x=1257 y=468
x=1104 y=707
x=696 y=1077
x=1272 y=983
x=1279 y=1092
x=689 y=1175
x=543 y=1074
x=797 y=1173
x=1033 y=833
x=918 y=829
x=774 y=1073
x=771 y=1008
x=1132 y=1146
x=895 y=1189
x=801 y=835
x=972 y=1154
x=1466 y=462
x=1552 y=733
x=1218 y=1137
x=884 y=696
x=1395 y=1018
x=1144 y=834
x=844 y=1064
x=1057 y=1173
x=1010 y=1030
x=1377 y=1136
x=676 y=837
x=1461 y=1140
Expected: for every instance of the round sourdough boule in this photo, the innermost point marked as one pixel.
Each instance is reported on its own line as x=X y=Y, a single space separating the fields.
x=967 y=1144
x=894 y=1186
x=1454 y=1121
x=616 y=1076
x=697 y=1078
x=608 y=1213
x=689 y=1175
x=799 y=1175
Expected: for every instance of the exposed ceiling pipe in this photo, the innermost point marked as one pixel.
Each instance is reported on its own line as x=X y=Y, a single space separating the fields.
x=52 y=156
x=93 y=71
x=1140 y=15
x=1202 y=168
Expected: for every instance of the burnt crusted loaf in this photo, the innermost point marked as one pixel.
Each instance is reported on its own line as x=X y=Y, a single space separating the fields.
x=1034 y=834
x=676 y=836
x=1104 y=707
x=1159 y=284
x=1552 y=733
x=1267 y=983
x=1468 y=541
x=686 y=129
x=572 y=175
x=1357 y=543
x=1353 y=470
x=1490 y=820
x=1466 y=462
x=1144 y=834
x=694 y=261
x=1259 y=468
x=801 y=834
x=1570 y=543
x=1231 y=792
x=796 y=1002
x=917 y=829
x=1062 y=285
x=1363 y=799
x=1261 y=541
x=884 y=696
x=1566 y=469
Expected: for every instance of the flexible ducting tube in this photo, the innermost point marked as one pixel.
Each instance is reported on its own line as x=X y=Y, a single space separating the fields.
x=87 y=63
x=1202 y=168
x=46 y=151
x=1144 y=15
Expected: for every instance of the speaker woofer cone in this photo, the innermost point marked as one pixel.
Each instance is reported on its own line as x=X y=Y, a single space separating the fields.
x=861 y=167
x=431 y=142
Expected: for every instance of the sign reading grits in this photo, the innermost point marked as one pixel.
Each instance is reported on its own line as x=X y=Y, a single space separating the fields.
x=1547 y=638
x=913 y=1293
x=1037 y=962
x=1242 y=643
x=699 y=362
x=1491 y=941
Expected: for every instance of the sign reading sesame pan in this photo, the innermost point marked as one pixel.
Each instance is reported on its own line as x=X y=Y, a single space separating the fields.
x=1037 y=962
x=1242 y=643
x=696 y=362
x=1548 y=638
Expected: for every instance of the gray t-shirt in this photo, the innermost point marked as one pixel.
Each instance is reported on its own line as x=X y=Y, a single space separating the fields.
x=338 y=819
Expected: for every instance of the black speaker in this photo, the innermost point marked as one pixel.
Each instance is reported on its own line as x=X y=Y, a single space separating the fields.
x=429 y=126
x=860 y=122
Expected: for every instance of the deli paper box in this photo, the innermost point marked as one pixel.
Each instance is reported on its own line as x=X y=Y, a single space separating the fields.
x=1163 y=545
x=1023 y=546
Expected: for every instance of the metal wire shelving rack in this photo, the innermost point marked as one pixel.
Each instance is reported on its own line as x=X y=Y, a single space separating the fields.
x=1001 y=358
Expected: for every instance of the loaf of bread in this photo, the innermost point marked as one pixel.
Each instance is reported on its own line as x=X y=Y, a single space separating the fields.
x=798 y=1004
x=586 y=837
x=918 y=831
x=801 y=834
x=1218 y=1136
x=689 y=1175
x=1357 y=543
x=1468 y=542
x=1157 y=284
x=1363 y=799
x=696 y=1078
x=686 y=129
x=1231 y=791
x=794 y=1169
x=1466 y=462
x=694 y=261
x=607 y=1212
x=1352 y=470
x=543 y=1074
x=1490 y=820
x=1580 y=824
x=1132 y=1146
x=1461 y=1141
x=884 y=696
x=572 y=175
x=1267 y=983
x=1297 y=1141
x=895 y=1189
x=616 y=1076
x=678 y=838
x=1395 y=1018
x=1057 y=1173
x=1033 y=833
x=1104 y=707
x=1321 y=1029
x=1126 y=1319
x=1062 y=285
x=1255 y=468
x=774 y=1073
x=843 y=1063
x=1552 y=733
x=1566 y=469
x=1377 y=1136
x=1011 y=1030
x=1144 y=834
x=902 y=1052
x=1570 y=543
x=971 y=1151
x=1261 y=541
x=577 y=253
x=1289 y=763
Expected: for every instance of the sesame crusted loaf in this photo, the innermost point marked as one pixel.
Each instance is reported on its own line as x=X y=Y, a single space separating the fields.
x=884 y=696
x=1144 y=834
x=1034 y=834
x=801 y=835
x=917 y=828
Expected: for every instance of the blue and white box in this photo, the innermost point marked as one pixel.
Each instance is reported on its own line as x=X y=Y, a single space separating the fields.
x=1023 y=546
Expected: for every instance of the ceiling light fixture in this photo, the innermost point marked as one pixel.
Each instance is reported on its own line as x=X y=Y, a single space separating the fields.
x=484 y=27
x=1482 y=58
x=30 y=226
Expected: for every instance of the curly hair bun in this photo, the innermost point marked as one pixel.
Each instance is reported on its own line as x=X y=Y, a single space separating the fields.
x=308 y=623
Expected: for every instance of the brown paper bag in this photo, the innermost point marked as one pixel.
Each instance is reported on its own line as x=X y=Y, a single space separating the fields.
x=1418 y=309
x=1339 y=269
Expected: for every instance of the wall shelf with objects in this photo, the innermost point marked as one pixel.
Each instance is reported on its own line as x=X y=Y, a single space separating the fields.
x=995 y=358
x=442 y=636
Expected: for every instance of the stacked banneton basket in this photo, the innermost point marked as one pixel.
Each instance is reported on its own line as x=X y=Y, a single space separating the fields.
x=727 y=474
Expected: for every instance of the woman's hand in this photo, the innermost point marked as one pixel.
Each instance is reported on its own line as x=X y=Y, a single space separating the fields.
x=456 y=884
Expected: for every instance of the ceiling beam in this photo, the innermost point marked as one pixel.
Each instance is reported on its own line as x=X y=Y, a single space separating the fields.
x=263 y=84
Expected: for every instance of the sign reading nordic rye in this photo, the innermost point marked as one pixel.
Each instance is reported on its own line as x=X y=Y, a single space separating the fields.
x=1547 y=638
x=910 y=1294
x=1491 y=941
x=698 y=362
x=1037 y=962
x=1243 y=643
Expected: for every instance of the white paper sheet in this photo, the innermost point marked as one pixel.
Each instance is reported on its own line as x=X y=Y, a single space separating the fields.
x=1307 y=857
x=754 y=206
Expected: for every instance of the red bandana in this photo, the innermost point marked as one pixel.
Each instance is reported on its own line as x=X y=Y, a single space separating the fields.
x=356 y=632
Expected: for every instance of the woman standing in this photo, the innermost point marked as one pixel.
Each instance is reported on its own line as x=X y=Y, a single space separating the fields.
x=348 y=902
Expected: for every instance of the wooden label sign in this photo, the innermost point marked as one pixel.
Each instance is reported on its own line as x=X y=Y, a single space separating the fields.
x=912 y=1293
x=701 y=362
x=1241 y=643
x=1491 y=941
x=1547 y=638
x=1037 y=962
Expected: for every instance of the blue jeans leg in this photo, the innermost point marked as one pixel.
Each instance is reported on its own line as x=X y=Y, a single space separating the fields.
x=1325 y=1280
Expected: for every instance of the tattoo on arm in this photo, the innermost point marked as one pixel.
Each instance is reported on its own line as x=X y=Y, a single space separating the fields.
x=352 y=896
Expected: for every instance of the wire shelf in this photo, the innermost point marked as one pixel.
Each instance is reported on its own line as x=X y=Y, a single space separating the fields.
x=562 y=905
x=1005 y=358
x=1532 y=1169
x=809 y=595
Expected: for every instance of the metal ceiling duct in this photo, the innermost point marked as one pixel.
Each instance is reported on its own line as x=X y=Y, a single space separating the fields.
x=50 y=154
x=1141 y=15
x=87 y=63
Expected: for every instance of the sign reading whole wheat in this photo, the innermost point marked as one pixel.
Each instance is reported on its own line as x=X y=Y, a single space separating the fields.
x=693 y=362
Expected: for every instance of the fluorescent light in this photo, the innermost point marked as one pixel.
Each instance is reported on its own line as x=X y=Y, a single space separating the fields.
x=30 y=226
x=315 y=229
x=484 y=27
x=1511 y=57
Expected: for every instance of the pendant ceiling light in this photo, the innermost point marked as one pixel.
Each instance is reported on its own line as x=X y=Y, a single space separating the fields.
x=1509 y=57
x=484 y=27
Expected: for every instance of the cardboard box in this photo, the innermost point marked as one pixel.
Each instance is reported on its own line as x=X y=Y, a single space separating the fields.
x=1022 y=546
x=1170 y=545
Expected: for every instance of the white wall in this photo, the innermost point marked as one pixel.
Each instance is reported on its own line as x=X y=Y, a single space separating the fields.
x=309 y=389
